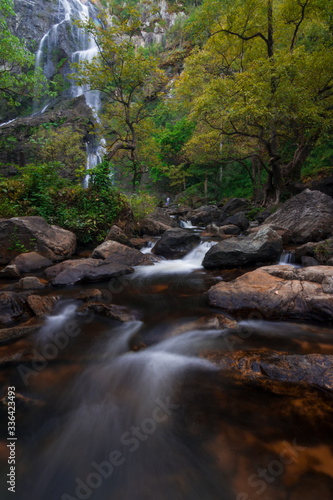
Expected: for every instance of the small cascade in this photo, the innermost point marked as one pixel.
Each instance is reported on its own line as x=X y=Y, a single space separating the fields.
x=55 y=323
x=149 y=247
x=187 y=224
x=191 y=262
x=287 y=258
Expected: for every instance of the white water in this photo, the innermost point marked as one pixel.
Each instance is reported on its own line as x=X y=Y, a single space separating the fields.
x=124 y=394
x=187 y=224
x=7 y=123
x=187 y=264
x=54 y=324
x=287 y=258
x=72 y=10
x=149 y=247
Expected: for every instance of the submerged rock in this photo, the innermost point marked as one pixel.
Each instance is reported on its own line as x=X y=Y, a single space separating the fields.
x=308 y=216
x=17 y=332
x=111 y=311
x=34 y=234
x=264 y=246
x=277 y=292
x=175 y=243
x=12 y=307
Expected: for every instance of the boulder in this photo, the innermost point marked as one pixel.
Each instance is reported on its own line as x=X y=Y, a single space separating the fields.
x=276 y=292
x=41 y=306
x=309 y=261
x=175 y=243
x=230 y=229
x=205 y=215
x=138 y=243
x=233 y=206
x=153 y=227
x=10 y=272
x=321 y=251
x=116 y=253
x=12 y=307
x=120 y=313
x=308 y=216
x=238 y=220
x=116 y=234
x=265 y=245
x=31 y=261
x=30 y=283
x=34 y=234
x=85 y=270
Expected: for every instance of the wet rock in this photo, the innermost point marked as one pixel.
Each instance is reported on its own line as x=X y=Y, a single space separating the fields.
x=41 y=306
x=309 y=261
x=313 y=485
x=205 y=215
x=86 y=270
x=265 y=245
x=17 y=332
x=284 y=233
x=34 y=234
x=116 y=234
x=10 y=272
x=321 y=251
x=12 y=307
x=309 y=216
x=175 y=243
x=30 y=283
x=230 y=229
x=153 y=227
x=138 y=243
x=307 y=369
x=90 y=294
x=315 y=274
x=110 y=311
x=234 y=206
x=31 y=261
x=238 y=220
x=116 y=253
x=275 y=292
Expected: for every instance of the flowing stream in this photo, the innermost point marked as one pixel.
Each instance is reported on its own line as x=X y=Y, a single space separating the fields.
x=142 y=411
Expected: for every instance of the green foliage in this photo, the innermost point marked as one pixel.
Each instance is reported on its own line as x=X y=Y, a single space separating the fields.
x=17 y=76
x=142 y=205
x=62 y=146
x=40 y=190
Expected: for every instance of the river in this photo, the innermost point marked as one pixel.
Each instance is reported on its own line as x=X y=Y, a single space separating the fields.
x=142 y=410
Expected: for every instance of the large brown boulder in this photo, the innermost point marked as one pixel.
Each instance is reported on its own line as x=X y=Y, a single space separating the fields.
x=116 y=253
x=175 y=243
x=277 y=292
x=34 y=234
x=85 y=270
x=157 y=223
x=41 y=306
x=116 y=234
x=264 y=246
x=308 y=216
x=205 y=215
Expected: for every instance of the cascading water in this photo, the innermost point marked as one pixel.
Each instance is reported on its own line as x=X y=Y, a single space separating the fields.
x=287 y=258
x=86 y=49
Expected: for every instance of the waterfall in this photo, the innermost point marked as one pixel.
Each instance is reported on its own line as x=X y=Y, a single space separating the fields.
x=86 y=50
x=287 y=258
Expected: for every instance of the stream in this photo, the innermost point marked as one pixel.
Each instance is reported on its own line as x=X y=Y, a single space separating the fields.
x=141 y=411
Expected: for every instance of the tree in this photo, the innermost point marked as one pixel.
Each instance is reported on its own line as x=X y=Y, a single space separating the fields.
x=17 y=75
x=262 y=83
x=130 y=82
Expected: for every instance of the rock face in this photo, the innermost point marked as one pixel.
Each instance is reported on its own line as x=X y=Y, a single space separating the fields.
x=31 y=261
x=116 y=253
x=277 y=292
x=175 y=243
x=308 y=216
x=34 y=234
x=86 y=270
x=264 y=246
